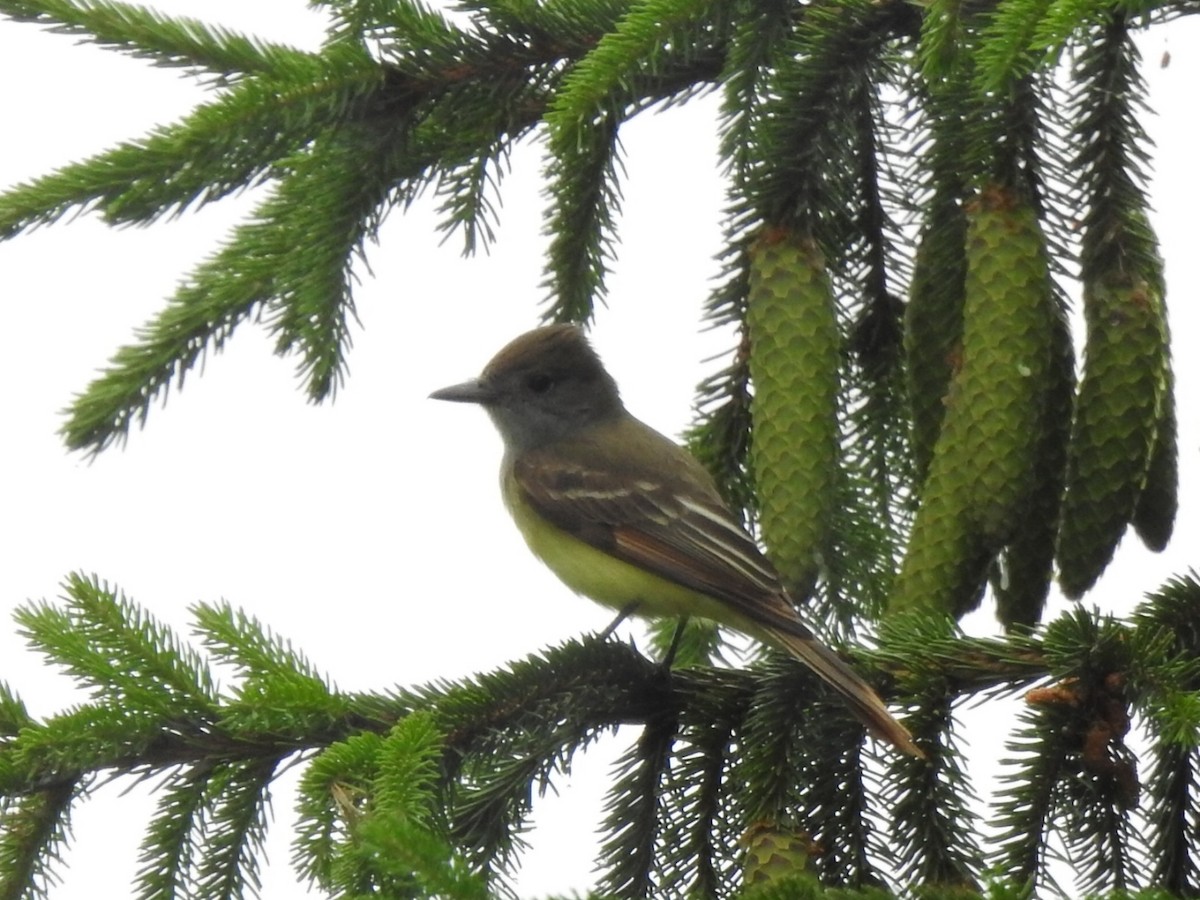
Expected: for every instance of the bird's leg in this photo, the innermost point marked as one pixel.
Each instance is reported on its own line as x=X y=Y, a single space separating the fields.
x=676 y=640
x=626 y=611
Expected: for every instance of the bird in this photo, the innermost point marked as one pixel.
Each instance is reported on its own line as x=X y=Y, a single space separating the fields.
x=627 y=517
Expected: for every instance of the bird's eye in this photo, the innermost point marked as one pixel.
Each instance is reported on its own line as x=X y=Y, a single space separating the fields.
x=539 y=382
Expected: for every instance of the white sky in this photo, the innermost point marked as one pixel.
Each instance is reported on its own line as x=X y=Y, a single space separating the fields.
x=339 y=525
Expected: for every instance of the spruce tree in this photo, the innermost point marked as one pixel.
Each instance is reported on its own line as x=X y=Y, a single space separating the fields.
x=914 y=192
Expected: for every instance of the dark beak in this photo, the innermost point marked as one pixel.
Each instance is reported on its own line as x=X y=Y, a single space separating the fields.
x=476 y=391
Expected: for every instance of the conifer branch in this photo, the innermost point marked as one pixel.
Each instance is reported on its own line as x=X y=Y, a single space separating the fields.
x=933 y=802
x=798 y=765
x=650 y=35
x=311 y=124
x=719 y=435
x=145 y=33
x=175 y=836
x=33 y=834
x=229 y=867
x=634 y=813
x=1173 y=781
x=13 y=714
x=115 y=648
x=693 y=845
x=426 y=791
x=871 y=518
x=754 y=43
x=221 y=148
x=581 y=221
x=803 y=182
x=1112 y=154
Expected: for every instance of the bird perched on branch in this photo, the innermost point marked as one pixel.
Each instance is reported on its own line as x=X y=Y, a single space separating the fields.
x=627 y=517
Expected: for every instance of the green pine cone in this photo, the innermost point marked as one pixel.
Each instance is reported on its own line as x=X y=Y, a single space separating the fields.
x=773 y=853
x=999 y=396
x=945 y=566
x=1116 y=418
x=933 y=325
x=984 y=467
x=1028 y=561
x=1154 y=515
x=794 y=358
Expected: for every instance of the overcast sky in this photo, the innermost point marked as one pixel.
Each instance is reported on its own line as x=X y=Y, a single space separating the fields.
x=340 y=526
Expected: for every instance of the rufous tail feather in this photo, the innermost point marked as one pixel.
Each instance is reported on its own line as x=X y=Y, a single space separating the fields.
x=859 y=695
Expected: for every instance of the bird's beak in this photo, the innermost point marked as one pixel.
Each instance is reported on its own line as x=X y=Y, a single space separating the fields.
x=477 y=391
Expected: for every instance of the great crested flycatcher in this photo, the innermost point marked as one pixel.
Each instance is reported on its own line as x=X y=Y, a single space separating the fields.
x=629 y=518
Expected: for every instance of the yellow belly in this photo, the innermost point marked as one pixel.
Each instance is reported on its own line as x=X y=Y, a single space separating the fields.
x=606 y=579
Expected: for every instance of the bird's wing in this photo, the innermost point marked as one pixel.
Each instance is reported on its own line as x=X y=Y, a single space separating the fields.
x=679 y=530
x=684 y=536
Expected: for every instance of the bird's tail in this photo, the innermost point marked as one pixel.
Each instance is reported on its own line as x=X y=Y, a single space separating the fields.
x=859 y=695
